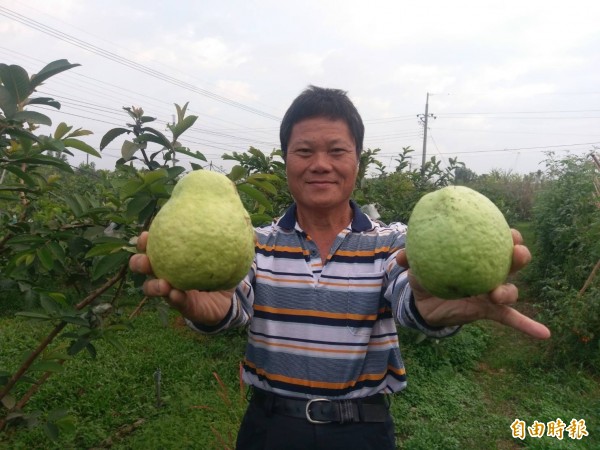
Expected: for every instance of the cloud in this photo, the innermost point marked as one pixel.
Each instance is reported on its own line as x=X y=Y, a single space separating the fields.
x=310 y=63
x=191 y=53
x=235 y=89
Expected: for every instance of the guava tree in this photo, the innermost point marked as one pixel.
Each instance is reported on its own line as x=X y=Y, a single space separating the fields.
x=64 y=251
x=33 y=252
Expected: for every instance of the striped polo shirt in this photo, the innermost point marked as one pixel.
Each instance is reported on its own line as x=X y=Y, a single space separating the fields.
x=325 y=329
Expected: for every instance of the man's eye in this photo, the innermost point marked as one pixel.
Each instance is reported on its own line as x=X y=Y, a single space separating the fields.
x=339 y=151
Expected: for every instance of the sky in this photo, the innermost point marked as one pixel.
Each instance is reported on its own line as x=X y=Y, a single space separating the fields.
x=506 y=81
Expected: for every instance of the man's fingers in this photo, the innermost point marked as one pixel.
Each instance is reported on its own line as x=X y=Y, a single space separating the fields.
x=520 y=258
x=140 y=263
x=157 y=288
x=517 y=237
x=142 y=240
x=505 y=294
x=401 y=258
x=513 y=318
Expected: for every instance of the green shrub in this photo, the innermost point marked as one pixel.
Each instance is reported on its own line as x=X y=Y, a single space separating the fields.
x=566 y=222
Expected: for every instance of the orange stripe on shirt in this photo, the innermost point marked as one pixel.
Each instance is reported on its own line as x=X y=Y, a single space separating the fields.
x=312 y=313
x=363 y=252
x=306 y=348
x=283 y=280
x=282 y=248
x=324 y=384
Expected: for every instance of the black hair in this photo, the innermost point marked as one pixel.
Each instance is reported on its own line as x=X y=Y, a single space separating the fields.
x=322 y=102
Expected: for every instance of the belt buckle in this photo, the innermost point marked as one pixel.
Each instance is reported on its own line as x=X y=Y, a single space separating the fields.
x=310 y=419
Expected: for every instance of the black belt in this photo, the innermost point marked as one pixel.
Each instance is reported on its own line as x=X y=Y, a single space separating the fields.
x=322 y=410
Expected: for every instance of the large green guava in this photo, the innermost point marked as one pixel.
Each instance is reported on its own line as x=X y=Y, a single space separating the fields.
x=458 y=243
x=202 y=238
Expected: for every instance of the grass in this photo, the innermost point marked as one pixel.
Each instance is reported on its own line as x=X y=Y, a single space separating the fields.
x=114 y=396
x=464 y=392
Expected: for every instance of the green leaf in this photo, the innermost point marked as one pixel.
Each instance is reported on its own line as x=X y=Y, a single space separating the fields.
x=59 y=297
x=154 y=176
x=46 y=101
x=75 y=320
x=116 y=343
x=260 y=219
x=154 y=136
x=104 y=249
x=183 y=125
x=32 y=117
x=33 y=315
x=51 y=430
x=27 y=239
x=181 y=111
x=147 y=211
x=16 y=80
x=107 y=264
x=55 y=145
x=29 y=258
x=57 y=414
x=83 y=202
x=137 y=204
x=78 y=345
x=80 y=145
x=237 y=173
x=174 y=172
x=91 y=350
x=74 y=205
x=45 y=257
x=22 y=175
x=50 y=306
x=111 y=135
x=80 y=132
x=46 y=366
x=61 y=130
x=17 y=188
x=130 y=188
x=264 y=185
x=19 y=133
x=7 y=102
x=50 y=70
x=254 y=194
x=187 y=152
x=9 y=402
x=57 y=252
x=128 y=149
x=45 y=160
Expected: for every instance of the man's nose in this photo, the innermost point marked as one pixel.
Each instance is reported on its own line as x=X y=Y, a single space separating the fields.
x=321 y=161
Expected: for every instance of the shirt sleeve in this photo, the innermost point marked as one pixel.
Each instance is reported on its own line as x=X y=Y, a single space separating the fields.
x=240 y=312
x=400 y=296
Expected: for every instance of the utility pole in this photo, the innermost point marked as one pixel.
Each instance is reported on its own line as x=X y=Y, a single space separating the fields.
x=424 y=118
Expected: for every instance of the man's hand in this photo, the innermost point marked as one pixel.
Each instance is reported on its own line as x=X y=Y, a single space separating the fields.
x=208 y=308
x=496 y=305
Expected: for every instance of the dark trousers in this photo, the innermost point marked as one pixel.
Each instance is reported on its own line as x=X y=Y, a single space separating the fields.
x=270 y=431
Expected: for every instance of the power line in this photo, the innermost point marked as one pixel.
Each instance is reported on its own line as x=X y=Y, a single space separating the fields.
x=508 y=150
x=442 y=116
x=520 y=112
x=128 y=63
x=119 y=97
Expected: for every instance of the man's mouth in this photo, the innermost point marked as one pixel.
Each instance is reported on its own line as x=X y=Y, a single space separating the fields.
x=320 y=182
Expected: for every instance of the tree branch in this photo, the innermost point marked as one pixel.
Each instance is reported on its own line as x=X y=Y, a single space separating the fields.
x=57 y=329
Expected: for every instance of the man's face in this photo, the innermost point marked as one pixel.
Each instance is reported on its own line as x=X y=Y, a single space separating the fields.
x=321 y=163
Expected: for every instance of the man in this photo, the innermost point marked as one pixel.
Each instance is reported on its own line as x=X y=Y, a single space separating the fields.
x=323 y=297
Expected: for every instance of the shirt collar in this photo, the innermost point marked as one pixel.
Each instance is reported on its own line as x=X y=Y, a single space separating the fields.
x=360 y=221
